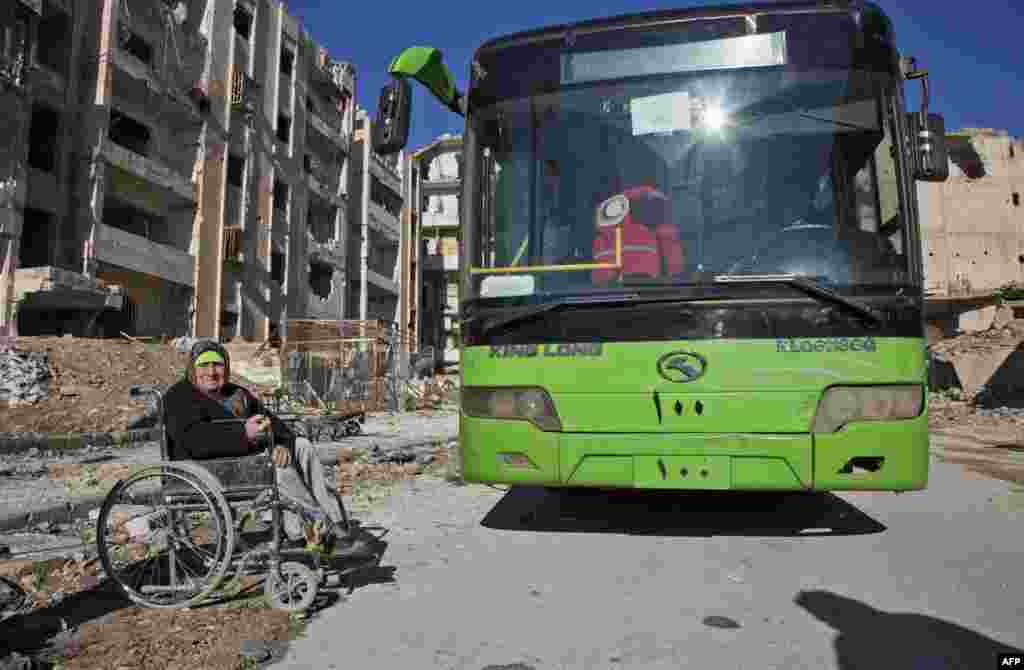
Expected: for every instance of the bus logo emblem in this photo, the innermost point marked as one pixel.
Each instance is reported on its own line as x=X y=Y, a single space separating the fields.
x=681 y=366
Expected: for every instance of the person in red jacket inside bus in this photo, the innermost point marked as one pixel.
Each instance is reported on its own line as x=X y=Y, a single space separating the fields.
x=651 y=246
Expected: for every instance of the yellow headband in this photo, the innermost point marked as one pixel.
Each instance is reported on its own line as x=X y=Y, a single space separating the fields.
x=209 y=357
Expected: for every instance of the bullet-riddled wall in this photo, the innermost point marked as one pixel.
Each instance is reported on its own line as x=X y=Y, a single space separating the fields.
x=972 y=225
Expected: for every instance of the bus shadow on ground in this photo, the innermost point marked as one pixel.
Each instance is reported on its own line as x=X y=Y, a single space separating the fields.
x=679 y=513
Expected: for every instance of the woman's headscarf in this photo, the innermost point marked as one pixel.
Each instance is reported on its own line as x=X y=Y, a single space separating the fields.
x=201 y=347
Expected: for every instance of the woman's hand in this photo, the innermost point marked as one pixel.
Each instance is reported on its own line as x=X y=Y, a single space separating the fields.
x=280 y=456
x=255 y=426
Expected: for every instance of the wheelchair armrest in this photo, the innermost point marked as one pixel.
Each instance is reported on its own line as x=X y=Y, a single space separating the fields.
x=140 y=390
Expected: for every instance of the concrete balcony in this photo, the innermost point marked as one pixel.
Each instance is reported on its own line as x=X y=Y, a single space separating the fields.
x=135 y=68
x=439 y=220
x=384 y=222
x=317 y=187
x=333 y=76
x=36 y=6
x=329 y=131
x=331 y=252
x=443 y=186
x=146 y=168
x=134 y=252
x=385 y=173
x=380 y=281
x=57 y=288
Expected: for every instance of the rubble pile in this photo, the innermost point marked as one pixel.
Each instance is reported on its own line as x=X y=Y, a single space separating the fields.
x=974 y=377
x=24 y=377
x=432 y=392
x=377 y=466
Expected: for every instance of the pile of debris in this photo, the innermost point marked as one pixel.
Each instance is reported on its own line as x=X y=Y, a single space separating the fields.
x=975 y=377
x=432 y=392
x=24 y=377
x=357 y=469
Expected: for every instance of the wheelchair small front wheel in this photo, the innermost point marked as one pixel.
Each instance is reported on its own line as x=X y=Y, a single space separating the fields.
x=292 y=587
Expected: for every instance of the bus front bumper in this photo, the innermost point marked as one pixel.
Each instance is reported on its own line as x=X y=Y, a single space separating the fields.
x=886 y=456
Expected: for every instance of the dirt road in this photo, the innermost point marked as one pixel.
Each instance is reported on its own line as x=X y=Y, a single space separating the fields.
x=488 y=580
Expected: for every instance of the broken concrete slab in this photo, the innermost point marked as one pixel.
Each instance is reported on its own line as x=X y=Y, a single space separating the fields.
x=1003 y=317
x=975 y=369
x=977 y=320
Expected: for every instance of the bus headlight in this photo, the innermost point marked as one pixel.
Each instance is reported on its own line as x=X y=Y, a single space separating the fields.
x=841 y=405
x=527 y=404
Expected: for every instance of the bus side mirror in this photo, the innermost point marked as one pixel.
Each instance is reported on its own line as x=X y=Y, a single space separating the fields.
x=391 y=129
x=931 y=158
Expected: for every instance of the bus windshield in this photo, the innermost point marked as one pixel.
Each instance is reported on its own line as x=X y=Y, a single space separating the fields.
x=675 y=158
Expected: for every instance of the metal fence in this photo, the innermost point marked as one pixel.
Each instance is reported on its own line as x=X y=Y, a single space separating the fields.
x=366 y=371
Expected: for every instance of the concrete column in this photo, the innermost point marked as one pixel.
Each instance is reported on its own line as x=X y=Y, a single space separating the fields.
x=364 y=220
x=270 y=60
x=209 y=259
x=100 y=119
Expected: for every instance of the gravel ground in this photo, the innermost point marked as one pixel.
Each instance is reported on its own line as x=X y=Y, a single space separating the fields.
x=26 y=486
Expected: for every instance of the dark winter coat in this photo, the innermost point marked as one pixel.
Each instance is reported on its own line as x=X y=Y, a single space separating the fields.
x=188 y=414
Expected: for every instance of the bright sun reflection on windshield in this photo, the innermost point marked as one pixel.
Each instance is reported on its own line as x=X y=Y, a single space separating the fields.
x=715 y=118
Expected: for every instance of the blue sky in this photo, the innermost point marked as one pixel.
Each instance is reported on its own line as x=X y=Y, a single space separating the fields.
x=972 y=50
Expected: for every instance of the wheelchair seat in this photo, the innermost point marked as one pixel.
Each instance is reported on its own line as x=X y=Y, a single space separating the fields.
x=242 y=478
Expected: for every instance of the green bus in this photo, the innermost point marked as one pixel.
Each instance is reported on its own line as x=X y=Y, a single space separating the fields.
x=690 y=251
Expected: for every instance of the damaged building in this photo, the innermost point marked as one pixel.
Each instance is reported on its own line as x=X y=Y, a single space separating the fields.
x=972 y=225
x=378 y=233
x=272 y=229
x=433 y=265
x=47 y=100
x=177 y=166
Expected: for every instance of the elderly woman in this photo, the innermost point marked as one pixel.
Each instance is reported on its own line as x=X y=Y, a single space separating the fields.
x=205 y=394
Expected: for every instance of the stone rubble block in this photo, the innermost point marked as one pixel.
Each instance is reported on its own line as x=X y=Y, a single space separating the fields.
x=24 y=377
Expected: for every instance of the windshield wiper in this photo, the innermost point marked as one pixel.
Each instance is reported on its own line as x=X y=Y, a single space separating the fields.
x=807 y=285
x=535 y=310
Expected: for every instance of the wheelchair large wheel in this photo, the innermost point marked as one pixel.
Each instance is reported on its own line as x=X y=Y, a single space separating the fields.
x=165 y=536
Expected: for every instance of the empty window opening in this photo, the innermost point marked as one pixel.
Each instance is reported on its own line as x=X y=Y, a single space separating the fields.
x=1011 y=149
x=277 y=266
x=14 y=38
x=37 y=238
x=385 y=198
x=54 y=40
x=320 y=276
x=131 y=219
x=128 y=132
x=280 y=195
x=236 y=170
x=243 y=22
x=1016 y=199
x=137 y=46
x=228 y=325
x=287 y=62
x=43 y=138
x=284 y=128
x=321 y=223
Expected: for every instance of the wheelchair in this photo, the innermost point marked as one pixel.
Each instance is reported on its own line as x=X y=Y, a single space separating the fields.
x=171 y=535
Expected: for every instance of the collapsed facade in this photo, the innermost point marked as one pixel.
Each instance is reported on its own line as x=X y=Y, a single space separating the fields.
x=177 y=166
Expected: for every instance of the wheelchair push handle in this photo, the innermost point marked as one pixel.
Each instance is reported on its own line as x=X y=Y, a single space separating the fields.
x=141 y=390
